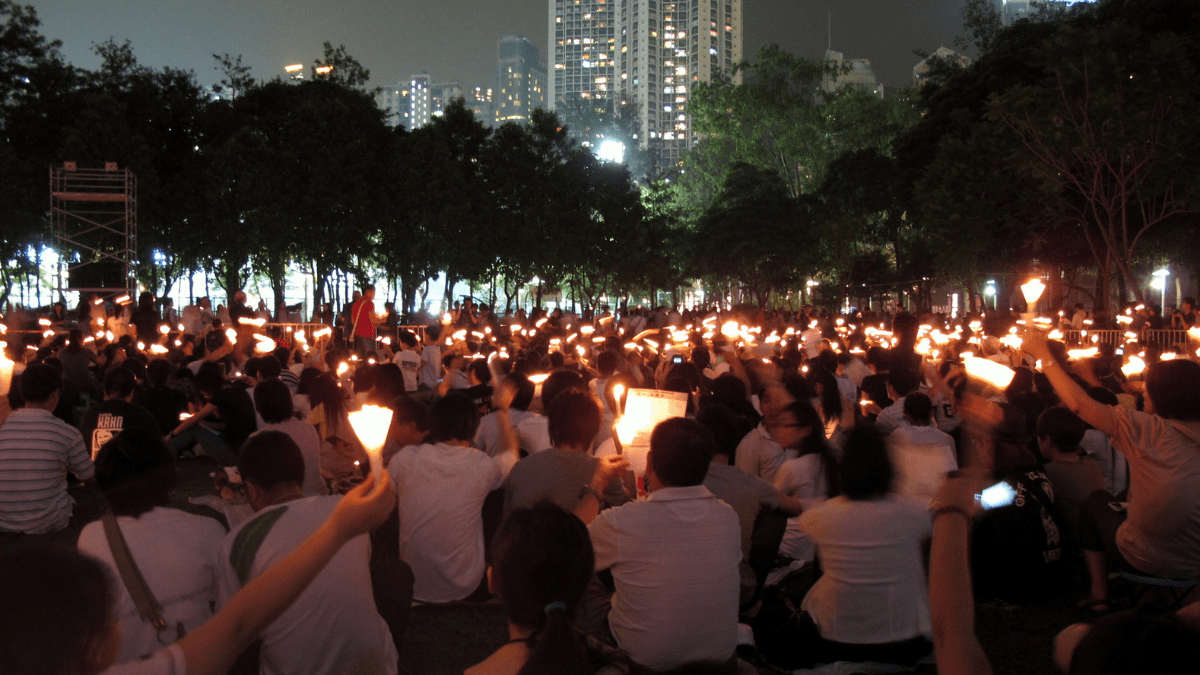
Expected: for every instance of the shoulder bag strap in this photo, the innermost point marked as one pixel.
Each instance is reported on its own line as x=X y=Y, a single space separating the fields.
x=135 y=583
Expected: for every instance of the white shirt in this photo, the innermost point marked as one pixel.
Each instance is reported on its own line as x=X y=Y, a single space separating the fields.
x=759 y=455
x=534 y=433
x=431 y=366
x=333 y=625
x=803 y=479
x=891 y=418
x=488 y=437
x=922 y=456
x=1112 y=461
x=168 y=661
x=410 y=366
x=674 y=559
x=306 y=437
x=873 y=589
x=440 y=490
x=176 y=553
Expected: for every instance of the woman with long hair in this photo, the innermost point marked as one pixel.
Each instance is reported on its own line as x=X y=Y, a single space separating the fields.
x=542 y=561
x=342 y=454
x=812 y=477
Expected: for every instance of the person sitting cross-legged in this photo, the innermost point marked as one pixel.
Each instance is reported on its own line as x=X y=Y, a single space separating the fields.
x=871 y=603
x=442 y=485
x=674 y=559
x=334 y=626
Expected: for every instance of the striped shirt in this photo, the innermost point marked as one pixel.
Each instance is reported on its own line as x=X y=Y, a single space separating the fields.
x=36 y=451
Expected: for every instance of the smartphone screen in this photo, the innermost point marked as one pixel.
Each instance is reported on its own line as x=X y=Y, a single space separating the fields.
x=1000 y=494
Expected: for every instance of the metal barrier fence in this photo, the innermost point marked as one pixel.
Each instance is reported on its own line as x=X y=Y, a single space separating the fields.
x=1156 y=338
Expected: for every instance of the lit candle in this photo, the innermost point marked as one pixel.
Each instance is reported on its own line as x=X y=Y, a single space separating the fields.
x=371 y=426
x=989 y=371
x=6 y=370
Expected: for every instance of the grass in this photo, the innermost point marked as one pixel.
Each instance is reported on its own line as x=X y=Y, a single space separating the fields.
x=444 y=640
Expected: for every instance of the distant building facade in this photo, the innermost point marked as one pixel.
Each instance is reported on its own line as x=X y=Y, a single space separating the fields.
x=582 y=46
x=922 y=70
x=394 y=102
x=520 y=80
x=1012 y=11
x=480 y=101
x=441 y=94
x=420 y=100
x=846 y=73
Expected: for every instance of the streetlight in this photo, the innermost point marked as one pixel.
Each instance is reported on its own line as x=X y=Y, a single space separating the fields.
x=1159 y=283
x=990 y=291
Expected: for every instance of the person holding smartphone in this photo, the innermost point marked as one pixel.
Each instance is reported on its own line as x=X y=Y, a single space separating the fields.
x=1017 y=543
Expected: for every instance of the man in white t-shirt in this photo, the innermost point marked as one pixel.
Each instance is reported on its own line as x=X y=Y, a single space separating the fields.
x=674 y=557
x=333 y=626
x=441 y=486
x=408 y=360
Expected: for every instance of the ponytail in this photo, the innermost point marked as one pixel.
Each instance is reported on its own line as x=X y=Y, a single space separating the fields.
x=558 y=649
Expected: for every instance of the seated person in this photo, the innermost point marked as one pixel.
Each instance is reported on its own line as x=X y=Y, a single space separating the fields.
x=60 y=604
x=36 y=451
x=335 y=627
x=175 y=551
x=1074 y=475
x=273 y=402
x=674 y=558
x=871 y=603
x=556 y=475
x=921 y=453
x=812 y=477
x=748 y=495
x=542 y=561
x=1159 y=533
x=442 y=485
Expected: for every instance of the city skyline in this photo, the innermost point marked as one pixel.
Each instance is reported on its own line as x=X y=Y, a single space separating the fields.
x=454 y=40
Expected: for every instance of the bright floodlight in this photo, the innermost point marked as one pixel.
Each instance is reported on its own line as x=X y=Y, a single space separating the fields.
x=611 y=151
x=1032 y=290
x=1159 y=282
x=294 y=68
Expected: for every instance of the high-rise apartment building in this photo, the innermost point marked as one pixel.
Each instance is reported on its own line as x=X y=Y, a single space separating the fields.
x=520 y=80
x=664 y=48
x=420 y=100
x=582 y=41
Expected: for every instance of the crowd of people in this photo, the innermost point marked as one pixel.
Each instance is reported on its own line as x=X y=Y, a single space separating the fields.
x=819 y=502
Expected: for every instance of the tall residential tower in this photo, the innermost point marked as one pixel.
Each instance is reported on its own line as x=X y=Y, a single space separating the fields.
x=664 y=48
x=582 y=42
x=520 y=80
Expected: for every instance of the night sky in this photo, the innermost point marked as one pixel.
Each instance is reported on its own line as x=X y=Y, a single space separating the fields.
x=453 y=39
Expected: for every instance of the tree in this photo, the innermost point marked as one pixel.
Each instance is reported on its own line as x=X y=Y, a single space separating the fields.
x=346 y=70
x=236 y=78
x=36 y=97
x=1110 y=133
x=752 y=234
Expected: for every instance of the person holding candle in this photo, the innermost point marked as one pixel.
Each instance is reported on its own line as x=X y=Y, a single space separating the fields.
x=442 y=485
x=59 y=614
x=334 y=626
x=1158 y=532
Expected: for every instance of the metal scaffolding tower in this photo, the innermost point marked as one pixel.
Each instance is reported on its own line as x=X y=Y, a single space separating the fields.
x=93 y=216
